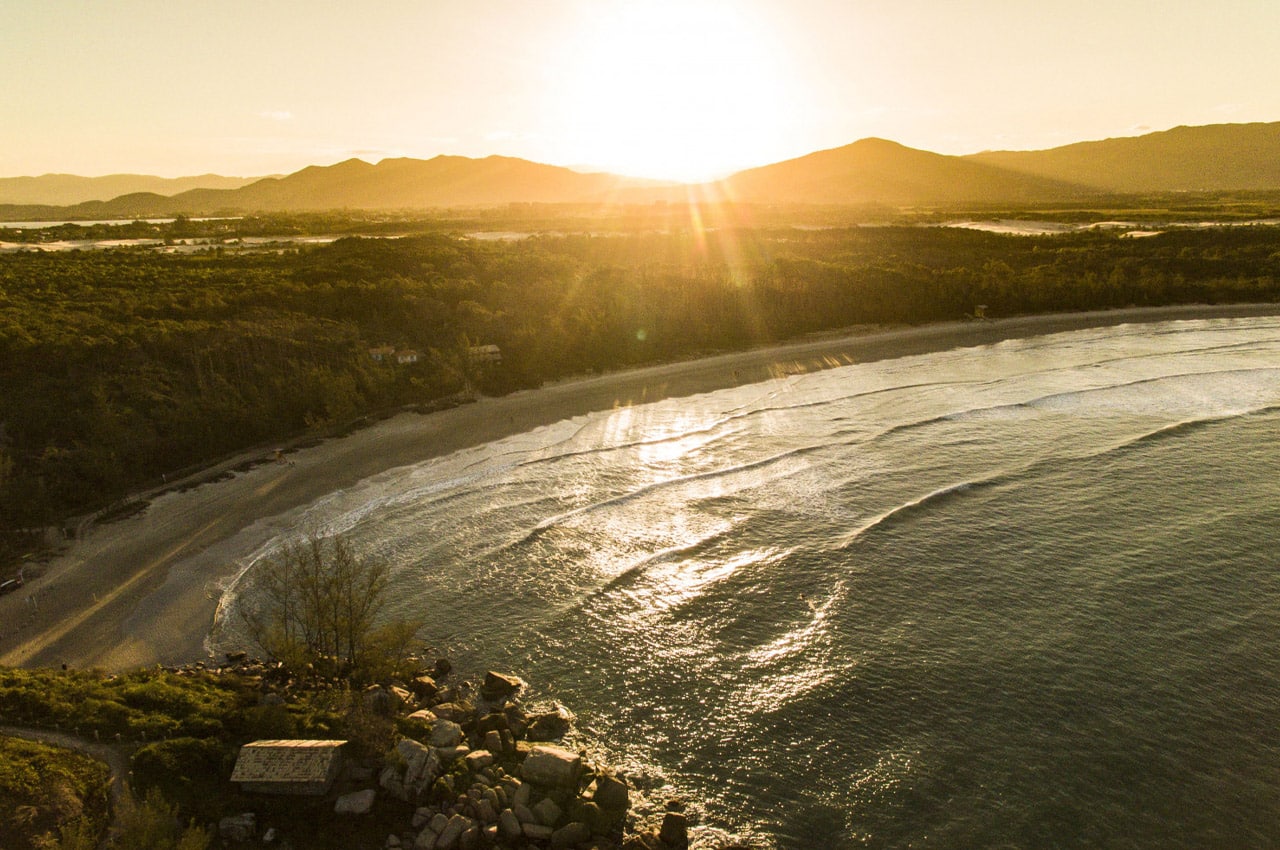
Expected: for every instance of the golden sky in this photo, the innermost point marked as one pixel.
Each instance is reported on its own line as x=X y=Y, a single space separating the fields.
x=683 y=89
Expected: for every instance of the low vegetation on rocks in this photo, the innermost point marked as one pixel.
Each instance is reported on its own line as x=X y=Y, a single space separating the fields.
x=433 y=760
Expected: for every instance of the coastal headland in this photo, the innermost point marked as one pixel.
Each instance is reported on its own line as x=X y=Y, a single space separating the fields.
x=144 y=590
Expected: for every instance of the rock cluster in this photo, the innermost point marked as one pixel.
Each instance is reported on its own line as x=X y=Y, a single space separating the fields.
x=480 y=770
x=481 y=773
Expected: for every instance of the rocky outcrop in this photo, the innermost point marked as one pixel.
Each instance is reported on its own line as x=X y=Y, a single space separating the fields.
x=481 y=774
x=477 y=769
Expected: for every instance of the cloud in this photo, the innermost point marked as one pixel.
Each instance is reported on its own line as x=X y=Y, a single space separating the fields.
x=276 y=114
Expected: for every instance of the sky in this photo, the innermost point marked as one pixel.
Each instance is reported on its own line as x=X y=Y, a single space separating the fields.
x=672 y=89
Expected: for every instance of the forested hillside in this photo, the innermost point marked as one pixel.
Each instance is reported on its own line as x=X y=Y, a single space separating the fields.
x=118 y=366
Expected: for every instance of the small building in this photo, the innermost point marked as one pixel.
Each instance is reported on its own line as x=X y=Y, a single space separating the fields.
x=407 y=356
x=382 y=353
x=303 y=768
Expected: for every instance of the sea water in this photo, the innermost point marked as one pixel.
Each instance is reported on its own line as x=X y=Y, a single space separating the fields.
x=1020 y=595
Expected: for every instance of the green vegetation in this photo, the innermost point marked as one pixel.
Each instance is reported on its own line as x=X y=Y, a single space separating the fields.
x=182 y=729
x=154 y=824
x=48 y=792
x=118 y=367
x=319 y=606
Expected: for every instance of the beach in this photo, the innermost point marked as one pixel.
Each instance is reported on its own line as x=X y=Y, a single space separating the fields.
x=144 y=590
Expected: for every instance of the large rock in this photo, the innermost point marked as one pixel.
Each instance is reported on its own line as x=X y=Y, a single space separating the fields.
x=509 y=825
x=455 y=711
x=453 y=832
x=424 y=687
x=445 y=733
x=547 y=812
x=422 y=765
x=675 y=830
x=355 y=803
x=552 y=766
x=499 y=686
x=611 y=793
x=241 y=827
x=570 y=835
x=549 y=725
x=378 y=701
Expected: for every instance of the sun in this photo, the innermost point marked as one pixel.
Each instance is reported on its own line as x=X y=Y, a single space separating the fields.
x=681 y=90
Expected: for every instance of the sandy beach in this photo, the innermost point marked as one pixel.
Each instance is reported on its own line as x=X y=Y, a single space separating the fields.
x=144 y=590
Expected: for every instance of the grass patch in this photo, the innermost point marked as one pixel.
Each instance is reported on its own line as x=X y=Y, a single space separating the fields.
x=45 y=790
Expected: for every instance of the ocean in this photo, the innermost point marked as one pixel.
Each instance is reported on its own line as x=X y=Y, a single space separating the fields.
x=1018 y=595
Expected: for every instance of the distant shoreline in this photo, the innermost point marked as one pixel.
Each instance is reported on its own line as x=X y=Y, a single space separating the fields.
x=143 y=590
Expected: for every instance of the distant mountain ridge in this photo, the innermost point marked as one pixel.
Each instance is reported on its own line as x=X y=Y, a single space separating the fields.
x=876 y=171
x=1212 y=158
x=1220 y=157
x=70 y=189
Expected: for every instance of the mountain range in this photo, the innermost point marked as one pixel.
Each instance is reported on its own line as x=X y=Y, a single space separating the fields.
x=1215 y=158
x=67 y=189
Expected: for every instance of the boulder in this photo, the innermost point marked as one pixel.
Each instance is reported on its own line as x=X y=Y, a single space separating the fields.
x=549 y=725
x=479 y=760
x=445 y=733
x=509 y=825
x=570 y=835
x=499 y=686
x=611 y=793
x=424 y=687
x=448 y=755
x=355 y=803
x=537 y=832
x=457 y=712
x=547 y=812
x=492 y=721
x=421 y=767
x=675 y=830
x=453 y=832
x=597 y=819
x=378 y=701
x=552 y=766
x=242 y=827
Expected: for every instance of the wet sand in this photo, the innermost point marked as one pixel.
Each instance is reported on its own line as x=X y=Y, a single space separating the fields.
x=144 y=590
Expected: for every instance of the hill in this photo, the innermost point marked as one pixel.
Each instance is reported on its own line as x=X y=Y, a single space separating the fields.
x=444 y=181
x=1213 y=158
x=876 y=171
x=70 y=189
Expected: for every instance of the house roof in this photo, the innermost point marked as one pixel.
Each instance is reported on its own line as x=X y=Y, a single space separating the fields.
x=285 y=761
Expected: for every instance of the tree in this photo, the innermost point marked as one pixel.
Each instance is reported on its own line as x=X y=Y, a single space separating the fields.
x=319 y=603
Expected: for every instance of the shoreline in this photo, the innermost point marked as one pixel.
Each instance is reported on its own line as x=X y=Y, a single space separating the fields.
x=143 y=590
